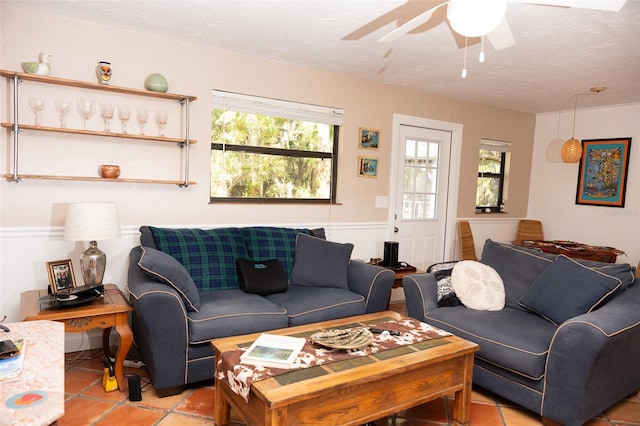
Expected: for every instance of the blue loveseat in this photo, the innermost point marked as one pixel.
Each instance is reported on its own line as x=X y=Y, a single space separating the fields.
x=185 y=291
x=566 y=344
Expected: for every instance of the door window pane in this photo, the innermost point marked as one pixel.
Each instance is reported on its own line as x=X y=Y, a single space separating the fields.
x=420 y=179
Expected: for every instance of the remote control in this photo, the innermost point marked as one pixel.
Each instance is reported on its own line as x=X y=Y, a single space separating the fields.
x=380 y=330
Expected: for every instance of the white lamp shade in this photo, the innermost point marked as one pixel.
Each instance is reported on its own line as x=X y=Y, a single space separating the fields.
x=91 y=222
x=475 y=18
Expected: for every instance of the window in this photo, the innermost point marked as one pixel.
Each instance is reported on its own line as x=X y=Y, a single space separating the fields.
x=270 y=150
x=493 y=171
x=420 y=179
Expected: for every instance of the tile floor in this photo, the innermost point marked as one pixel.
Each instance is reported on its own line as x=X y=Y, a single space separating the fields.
x=87 y=404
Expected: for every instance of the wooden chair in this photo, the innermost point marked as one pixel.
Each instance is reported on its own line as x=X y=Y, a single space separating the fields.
x=467 y=247
x=529 y=230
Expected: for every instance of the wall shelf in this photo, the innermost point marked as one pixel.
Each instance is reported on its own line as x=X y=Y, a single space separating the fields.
x=21 y=177
x=17 y=129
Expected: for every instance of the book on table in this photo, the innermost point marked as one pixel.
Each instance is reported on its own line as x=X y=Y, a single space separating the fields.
x=271 y=350
x=11 y=367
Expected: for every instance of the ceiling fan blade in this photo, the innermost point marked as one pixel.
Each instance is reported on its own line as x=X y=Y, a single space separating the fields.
x=410 y=25
x=501 y=37
x=608 y=5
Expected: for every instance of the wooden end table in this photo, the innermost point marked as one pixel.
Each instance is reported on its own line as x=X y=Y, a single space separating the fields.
x=107 y=312
x=378 y=385
x=397 y=280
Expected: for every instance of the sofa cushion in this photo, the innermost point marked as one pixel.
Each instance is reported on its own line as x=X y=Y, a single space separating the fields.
x=261 y=276
x=567 y=289
x=516 y=340
x=209 y=255
x=233 y=312
x=305 y=305
x=167 y=270
x=517 y=266
x=442 y=272
x=478 y=286
x=320 y=263
x=266 y=242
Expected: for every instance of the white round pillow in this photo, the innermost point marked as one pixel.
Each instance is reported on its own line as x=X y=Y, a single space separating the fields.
x=478 y=286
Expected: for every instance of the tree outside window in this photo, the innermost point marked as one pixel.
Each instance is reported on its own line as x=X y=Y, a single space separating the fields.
x=270 y=158
x=492 y=173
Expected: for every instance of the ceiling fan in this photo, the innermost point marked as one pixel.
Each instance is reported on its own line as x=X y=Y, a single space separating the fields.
x=477 y=18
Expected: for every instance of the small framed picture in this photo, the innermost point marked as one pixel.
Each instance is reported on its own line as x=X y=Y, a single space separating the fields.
x=61 y=275
x=369 y=138
x=367 y=167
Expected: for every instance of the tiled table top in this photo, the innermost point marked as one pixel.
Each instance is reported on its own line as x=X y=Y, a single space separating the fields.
x=37 y=397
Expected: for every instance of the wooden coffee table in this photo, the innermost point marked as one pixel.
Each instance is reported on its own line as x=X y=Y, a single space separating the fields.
x=110 y=311
x=383 y=385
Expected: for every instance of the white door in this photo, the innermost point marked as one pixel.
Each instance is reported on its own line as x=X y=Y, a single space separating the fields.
x=421 y=194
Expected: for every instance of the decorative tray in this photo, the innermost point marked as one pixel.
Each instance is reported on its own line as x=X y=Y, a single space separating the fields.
x=347 y=338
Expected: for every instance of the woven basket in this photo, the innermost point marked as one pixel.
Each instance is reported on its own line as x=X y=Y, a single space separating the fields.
x=346 y=339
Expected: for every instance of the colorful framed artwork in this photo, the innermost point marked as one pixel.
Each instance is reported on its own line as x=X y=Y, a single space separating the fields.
x=602 y=179
x=367 y=167
x=61 y=275
x=369 y=138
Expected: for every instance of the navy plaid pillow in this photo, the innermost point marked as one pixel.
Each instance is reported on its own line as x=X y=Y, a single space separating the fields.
x=264 y=242
x=209 y=255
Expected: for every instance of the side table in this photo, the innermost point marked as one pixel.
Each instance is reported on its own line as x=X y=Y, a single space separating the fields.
x=107 y=312
x=397 y=281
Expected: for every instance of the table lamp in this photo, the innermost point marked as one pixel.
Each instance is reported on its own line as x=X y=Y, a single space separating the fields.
x=92 y=222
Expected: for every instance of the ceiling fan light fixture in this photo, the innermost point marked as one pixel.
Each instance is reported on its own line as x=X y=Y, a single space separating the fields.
x=475 y=18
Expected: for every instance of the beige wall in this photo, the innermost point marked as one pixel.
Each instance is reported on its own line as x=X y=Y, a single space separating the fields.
x=195 y=70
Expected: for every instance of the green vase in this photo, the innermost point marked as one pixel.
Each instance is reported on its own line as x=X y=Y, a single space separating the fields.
x=156 y=83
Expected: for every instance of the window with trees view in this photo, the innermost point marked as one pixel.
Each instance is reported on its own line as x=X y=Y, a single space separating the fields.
x=269 y=150
x=493 y=168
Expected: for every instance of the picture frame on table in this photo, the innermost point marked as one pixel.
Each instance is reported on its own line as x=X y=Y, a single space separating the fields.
x=61 y=275
x=367 y=167
x=602 y=178
x=369 y=138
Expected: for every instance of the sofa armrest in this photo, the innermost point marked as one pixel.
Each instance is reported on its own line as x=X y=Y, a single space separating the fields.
x=160 y=328
x=421 y=294
x=371 y=282
x=593 y=360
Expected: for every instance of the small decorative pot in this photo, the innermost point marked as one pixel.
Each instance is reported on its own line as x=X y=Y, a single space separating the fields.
x=109 y=171
x=104 y=71
x=156 y=83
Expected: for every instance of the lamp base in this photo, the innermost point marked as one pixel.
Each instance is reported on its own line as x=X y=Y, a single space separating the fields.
x=93 y=263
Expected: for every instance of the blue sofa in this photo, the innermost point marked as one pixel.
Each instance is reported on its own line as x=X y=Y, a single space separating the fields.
x=566 y=344
x=185 y=291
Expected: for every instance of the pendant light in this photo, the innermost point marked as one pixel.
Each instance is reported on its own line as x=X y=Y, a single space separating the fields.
x=572 y=149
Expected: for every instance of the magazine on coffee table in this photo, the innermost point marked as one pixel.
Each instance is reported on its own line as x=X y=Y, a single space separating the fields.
x=271 y=350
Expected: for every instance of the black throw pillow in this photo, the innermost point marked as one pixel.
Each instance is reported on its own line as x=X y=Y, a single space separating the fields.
x=261 y=277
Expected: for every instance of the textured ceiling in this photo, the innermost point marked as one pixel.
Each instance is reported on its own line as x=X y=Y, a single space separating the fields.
x=558 y=52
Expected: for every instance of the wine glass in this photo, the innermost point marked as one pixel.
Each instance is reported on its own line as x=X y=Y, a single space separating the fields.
x=142 y=114
x=161 y=120
x=86 y=108
x=124 y=114
x=106 y=112
x=63 y=107
x=37 y=105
